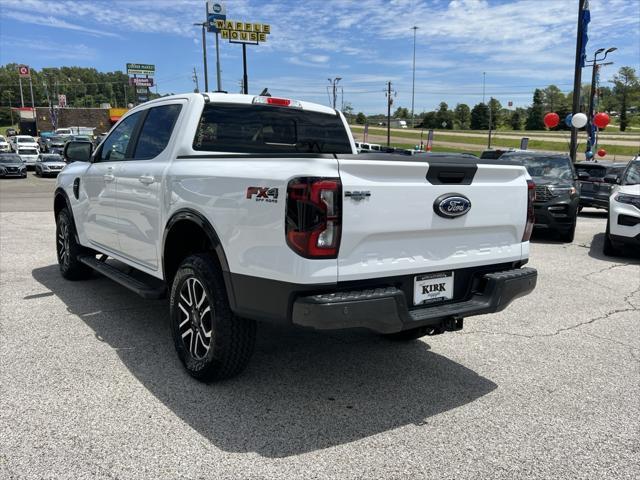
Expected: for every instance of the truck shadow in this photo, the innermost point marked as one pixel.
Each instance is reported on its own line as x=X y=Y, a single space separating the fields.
x=303 y=390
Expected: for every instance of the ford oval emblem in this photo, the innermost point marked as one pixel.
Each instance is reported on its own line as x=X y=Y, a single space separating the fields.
x=451 y=205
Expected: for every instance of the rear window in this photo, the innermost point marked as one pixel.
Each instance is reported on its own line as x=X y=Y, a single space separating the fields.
x=593 y=172
x=268 y=129
x=491 y=154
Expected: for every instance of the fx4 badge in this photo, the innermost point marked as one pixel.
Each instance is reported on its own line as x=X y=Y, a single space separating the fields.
x=263 y=194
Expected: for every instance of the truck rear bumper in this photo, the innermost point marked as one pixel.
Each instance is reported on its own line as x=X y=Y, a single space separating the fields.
x=385 y=310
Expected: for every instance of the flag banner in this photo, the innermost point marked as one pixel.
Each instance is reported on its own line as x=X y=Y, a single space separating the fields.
x=586 y=18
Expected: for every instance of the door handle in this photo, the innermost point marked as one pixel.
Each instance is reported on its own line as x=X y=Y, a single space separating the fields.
x=109 y=177
x=146 y=179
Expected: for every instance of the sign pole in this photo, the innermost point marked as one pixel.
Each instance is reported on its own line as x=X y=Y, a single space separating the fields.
x=245 y=78
x=218 y=63
x=204 y=56
x=21 y=96
x=31 y=88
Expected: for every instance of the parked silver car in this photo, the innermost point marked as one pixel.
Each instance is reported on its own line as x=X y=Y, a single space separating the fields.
x=49 y=164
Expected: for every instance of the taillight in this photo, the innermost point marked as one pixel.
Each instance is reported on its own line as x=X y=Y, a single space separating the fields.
x=314 y=217
x=279 y=102
x=531 y=196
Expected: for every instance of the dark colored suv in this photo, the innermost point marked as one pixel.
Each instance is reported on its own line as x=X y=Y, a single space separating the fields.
x=594 y=191
x=557 y=190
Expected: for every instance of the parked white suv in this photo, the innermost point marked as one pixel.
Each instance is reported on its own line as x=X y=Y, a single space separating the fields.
x=28 y=154
x=246 y=209
x=623 y=224
x=4 y=145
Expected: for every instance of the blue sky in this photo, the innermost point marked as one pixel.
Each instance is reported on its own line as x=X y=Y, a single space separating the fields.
x=520 y=44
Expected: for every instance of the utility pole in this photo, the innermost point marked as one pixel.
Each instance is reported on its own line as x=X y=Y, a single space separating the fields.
x=194 y=77
x=577 y=79
x=389 y=102
x=334 y=83
x=413 y=85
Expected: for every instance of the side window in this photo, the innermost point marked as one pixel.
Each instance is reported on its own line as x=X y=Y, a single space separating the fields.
x=156 y=131
x=115 y=146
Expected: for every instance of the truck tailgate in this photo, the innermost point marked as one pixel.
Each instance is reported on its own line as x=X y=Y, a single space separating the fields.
x=390 y=226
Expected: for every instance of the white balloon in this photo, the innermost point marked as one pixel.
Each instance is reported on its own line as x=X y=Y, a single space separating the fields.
x=579 y=120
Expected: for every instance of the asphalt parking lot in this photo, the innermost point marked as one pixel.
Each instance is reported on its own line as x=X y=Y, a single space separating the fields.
x=90 y=386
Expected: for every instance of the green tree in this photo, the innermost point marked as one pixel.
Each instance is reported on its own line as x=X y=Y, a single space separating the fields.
x=444 y=116
x=401 y=112
x=347 y=111
x=496 y=113
x=361 y=118
x=535 y=113
x=517 y=118
x=429 y=120
x=626 y=89
x=480 y=117
x=462 y=116
x=554 y=99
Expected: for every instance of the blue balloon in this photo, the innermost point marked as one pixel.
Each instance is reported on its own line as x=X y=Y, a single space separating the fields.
x=567 y=120
x=589 y=154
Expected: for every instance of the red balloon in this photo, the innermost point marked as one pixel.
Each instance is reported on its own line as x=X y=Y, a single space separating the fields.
x=551 y=120
x=601 y=120
x=602 y=152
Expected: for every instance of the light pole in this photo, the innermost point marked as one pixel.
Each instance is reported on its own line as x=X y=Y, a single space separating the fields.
x=334 y=83
x=591 y=140
x=204 y=54
x=413 y=85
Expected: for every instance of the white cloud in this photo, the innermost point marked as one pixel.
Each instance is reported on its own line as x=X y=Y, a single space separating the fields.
x=50 y=21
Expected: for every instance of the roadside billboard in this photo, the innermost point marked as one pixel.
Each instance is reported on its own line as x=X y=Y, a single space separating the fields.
x=140 y=69
x=215 y=11
x=243 y=32
x=141 y=81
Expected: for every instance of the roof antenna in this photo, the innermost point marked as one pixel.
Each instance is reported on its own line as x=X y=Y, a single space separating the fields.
x=265 y=93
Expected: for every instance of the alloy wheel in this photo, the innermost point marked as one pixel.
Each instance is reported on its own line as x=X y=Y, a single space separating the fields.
x=63 y=243
x=196 y=318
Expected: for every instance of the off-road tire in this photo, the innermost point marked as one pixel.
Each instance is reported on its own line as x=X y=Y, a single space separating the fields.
x=569 y=235
x=68 y=250
x=231 y=338
x=609 y=249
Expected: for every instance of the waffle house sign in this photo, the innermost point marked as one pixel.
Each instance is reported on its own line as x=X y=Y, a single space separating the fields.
x=243 y=32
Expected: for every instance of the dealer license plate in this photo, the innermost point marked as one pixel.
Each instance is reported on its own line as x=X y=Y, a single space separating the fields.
x=433 y=287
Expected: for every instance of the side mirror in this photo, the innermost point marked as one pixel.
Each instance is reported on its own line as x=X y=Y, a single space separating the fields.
x=611 y=178
x=583 y=176
x=77 y=151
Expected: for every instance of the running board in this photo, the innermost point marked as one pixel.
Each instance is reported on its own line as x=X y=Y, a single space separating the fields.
x=153 y=288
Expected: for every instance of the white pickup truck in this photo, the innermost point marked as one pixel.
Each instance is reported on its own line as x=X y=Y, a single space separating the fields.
x=254 y=208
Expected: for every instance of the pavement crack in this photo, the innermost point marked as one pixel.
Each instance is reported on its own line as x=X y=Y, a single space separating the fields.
x=590 y=321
